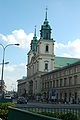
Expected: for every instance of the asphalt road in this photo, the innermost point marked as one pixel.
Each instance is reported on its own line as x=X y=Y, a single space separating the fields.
x=46 y=105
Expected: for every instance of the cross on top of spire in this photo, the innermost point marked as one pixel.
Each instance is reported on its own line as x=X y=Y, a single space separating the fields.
x=35 y=31
x=46 y=13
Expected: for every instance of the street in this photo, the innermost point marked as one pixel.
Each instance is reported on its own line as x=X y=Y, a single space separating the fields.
x=46 y=105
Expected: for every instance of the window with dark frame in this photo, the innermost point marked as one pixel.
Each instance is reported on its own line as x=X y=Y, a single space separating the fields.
x=47 y=48
x=46 y=66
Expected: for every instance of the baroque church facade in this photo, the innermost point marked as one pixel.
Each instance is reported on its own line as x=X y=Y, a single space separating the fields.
x=40 y=58
x=47 y=73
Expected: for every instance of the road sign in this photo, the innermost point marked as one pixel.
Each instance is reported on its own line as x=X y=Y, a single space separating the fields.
x=53 y=92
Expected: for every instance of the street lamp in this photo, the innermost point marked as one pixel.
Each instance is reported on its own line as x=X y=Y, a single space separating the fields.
x=4 y=63
x=4 y=48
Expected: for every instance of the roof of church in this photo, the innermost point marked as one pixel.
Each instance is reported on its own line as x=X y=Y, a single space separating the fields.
x=63 y=61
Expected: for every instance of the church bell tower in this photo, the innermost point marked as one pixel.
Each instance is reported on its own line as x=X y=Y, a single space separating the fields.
x=45 y=47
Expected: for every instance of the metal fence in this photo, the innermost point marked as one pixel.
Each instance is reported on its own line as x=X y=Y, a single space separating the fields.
x=18 y=114
x=74 y=109
x=5 y=100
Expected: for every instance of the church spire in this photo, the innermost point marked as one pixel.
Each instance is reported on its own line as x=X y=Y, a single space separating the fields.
x=35 y=31
x=35 y=38
x=45 y=32
x=46 y=13
x=34 y=41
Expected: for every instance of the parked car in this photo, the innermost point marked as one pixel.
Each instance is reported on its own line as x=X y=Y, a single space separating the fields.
x=7 y=97
x=21 y=100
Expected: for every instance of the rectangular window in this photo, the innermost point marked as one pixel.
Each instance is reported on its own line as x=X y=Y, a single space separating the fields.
x=75 y=79
x=35 y=84
x=60 y=82
x=50 y=84
x=75 y=95
x=37 y=66
x=45 y=85
x=56 y=83
x=75 y=70
x=60 y=96
x=70 y=71
x=57 y=96
x=70 y=81
x=47 y=48
x=65 y=72
x=64 y=82
x=53 y=84
x=46 y=66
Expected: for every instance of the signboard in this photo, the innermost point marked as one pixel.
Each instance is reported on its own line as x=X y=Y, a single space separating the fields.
x=53 y=92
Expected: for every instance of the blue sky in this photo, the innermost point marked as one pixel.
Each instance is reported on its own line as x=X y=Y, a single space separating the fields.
x=17 y=21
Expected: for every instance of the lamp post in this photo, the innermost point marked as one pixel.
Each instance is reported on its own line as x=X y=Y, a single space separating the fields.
x=4 y=48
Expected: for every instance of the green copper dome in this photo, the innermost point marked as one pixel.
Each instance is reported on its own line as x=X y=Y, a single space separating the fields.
x=34 y=41
x=45 y=32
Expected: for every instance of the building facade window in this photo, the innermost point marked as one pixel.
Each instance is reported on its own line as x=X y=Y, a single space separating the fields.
x=45 y=85
x=65 y=72
x=42 y=86
x=50 y=84
x=70 y=81
x=57 y=96
x=65 y=97
x=60 y=73
x=70 y=71
x=65 y=82
x=54 y=84
x=75 y=79
x=36 y=84
x=75 y=69
x=47 y=48
x=46 y=66
x=60 y=96
x=60 y=82
x=75 y=96
x=57 y=83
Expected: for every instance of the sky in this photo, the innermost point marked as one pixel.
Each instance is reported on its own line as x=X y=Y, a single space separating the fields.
x=17 y=22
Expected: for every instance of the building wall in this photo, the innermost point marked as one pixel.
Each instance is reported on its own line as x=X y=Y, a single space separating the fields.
x=36 y=65
x=65 y=81
x=21 y=87
x=44 y=56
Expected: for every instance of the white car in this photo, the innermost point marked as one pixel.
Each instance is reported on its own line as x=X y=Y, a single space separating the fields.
x=7 y=97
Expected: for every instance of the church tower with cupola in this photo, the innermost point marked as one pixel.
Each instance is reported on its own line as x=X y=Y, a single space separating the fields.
x=40 y=58
x=45 y=48
x=45 y=32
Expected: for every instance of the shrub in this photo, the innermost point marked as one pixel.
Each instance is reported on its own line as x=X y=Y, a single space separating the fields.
x=4 y=110
x=67 y=116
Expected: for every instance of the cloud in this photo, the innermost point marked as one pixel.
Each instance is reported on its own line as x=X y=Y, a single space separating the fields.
x=12 y=73
x=74 y=45
x=71 y=49
x=67 y=55
x=18 y=36
x=13 y=68
x=59 y=45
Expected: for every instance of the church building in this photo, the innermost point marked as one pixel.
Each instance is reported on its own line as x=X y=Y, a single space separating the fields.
x=43 y=65
x=40 y=58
